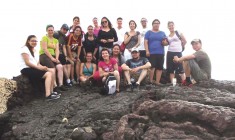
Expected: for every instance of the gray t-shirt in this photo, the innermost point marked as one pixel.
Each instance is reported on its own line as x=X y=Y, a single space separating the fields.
x=132 y=63
x=203 y=61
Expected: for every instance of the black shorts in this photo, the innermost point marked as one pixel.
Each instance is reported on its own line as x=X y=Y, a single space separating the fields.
x=46 y=61
x=33 y=74
x=157 y=61
x=171 y=66
x=63 y=59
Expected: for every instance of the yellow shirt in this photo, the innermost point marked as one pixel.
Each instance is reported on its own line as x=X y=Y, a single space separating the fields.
x=52 y=42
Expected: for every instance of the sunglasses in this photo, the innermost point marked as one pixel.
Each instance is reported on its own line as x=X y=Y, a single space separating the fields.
x=104 y=22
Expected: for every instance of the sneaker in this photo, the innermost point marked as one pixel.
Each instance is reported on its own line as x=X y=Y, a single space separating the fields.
x=52 y=97
x=63 y=88
x=69 y=84
x=57 y=89
x=73 y=82
x=56 y=93
x=185 y=83
x=129 y=88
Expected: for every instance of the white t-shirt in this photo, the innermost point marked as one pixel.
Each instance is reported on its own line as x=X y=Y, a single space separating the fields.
x=120 y=34
x=33 y=60
x=174 y=43
x=142 y=34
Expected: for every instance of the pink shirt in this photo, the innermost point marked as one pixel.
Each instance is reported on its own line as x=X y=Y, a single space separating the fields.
x=96 y=31
x=108 y=67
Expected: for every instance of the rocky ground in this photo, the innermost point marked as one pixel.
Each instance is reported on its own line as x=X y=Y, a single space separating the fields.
x=205 y=111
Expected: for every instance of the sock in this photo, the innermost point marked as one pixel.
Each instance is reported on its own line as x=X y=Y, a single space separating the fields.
x=188 y=79
x=68 y=80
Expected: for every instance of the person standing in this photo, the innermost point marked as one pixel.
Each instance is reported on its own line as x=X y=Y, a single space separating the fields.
x=63 y=56
x=96 y=26
x=174 y=49
x=131 y=39
x=49 y=57
x=143 y=31
x=155 y=50
x=120 y=31
x=197 y=65
x=107 y=35
x=90 y=43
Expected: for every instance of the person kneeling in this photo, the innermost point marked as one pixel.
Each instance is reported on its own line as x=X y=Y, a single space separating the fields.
x=136 y=68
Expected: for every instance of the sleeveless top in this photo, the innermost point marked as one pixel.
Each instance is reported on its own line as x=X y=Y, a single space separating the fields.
x=87 y=71
x=133 y=41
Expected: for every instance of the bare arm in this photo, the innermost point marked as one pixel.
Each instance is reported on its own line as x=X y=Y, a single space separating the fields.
x=81 y=69
x=146 y=45
x=57 y=52
x=94 y=70
x=138 y=43
x=183 y=39
x=183 y=58
x=146 y=66
x=127 y=38
x=28 y=63
x=44 y=47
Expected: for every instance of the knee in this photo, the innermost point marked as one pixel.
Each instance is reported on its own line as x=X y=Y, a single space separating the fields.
x=116 y=73
x=59 y=67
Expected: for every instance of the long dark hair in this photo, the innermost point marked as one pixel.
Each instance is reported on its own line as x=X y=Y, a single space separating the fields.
x=92 y=61
x=119 y=55
x=28 y=45
x=104 y=49
x=109 y=23
x=80 y=29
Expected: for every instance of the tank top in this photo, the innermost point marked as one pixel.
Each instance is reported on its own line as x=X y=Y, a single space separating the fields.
x=87 y=71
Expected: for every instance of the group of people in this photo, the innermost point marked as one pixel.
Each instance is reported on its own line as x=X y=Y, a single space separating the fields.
x=70 y=56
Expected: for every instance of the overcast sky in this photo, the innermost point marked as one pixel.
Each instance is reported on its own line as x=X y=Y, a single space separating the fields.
x=212 y=21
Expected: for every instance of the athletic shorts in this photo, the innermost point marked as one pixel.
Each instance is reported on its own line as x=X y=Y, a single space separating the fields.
x=63 y=59
x=157 y=61
x=46 y=61
x=171 y=65
x=196 y=72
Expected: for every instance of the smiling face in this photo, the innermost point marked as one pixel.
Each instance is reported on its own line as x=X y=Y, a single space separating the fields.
x=196 y=46
x=95 y=22
x=88 y=57
x=77 y=32
x=76 y=22
x=135 y=55
x=156 y=25
x=171 y=27
x=132 y=25
x=144 y=22
x=50 y=31
x=119 y=23
x=32 y=42
x=104 y=22
x=90 y=30
x=105 y=55
x=116 y=50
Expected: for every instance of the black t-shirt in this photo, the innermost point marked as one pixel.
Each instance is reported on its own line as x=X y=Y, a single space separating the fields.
x=132 y=63
x=90 y=45
x=111 y=34
x=62 y=40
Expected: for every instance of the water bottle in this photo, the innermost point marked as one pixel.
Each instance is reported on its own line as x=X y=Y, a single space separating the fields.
x=132 y=81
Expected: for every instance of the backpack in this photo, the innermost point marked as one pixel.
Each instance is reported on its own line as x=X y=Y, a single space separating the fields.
x=109 y=87
x=178 y=35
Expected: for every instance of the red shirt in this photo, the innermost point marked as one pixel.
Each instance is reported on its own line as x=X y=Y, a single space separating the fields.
x=74 y=43
x=108 y=67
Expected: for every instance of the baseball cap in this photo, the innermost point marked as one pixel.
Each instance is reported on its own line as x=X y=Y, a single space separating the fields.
x=134 y=50
x=65 y=26
x=196 y=41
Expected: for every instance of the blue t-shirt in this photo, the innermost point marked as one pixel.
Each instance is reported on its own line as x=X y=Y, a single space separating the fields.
x=155 y=42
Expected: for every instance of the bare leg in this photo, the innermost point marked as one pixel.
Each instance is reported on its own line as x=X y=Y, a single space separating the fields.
x=72 y=71
x=53 y=71
x=48 y=82
x=68 y=67
x=117 y=76
x=65 y=70
x=183 y=77
x=187 y=69
x=127 y=75
x=158 y=76
x=151 y=75
x=83 y=78
x=77 y=70
x=59 y=69
x=142 y=76
x=172 y=76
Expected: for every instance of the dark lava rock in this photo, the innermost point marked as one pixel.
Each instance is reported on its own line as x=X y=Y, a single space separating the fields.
x=205 y=111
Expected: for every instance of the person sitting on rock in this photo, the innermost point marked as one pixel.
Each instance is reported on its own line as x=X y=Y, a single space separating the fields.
x=116 y=54
x=136 y=68
x=197 y=65
x=87 y=69
x=31 y=67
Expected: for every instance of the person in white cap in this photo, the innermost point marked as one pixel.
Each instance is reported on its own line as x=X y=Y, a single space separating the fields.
x=136 y=69
x=197 y=65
